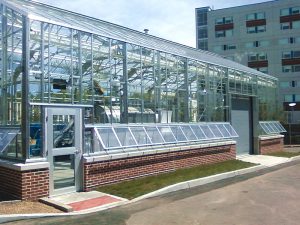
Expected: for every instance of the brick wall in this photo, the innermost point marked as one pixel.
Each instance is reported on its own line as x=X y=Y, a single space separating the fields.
x=271 y=145
x=113 y=171
x=24 y=185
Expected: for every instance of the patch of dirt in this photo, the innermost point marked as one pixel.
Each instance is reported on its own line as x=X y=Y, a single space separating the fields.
x=25 y=207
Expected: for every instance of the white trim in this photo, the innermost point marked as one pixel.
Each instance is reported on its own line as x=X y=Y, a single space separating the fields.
x=24 y=166
x=270 y=137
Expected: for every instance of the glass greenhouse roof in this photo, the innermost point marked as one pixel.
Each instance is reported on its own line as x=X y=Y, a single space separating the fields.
x=271 y=127
x=41 y=12
x=135 y=136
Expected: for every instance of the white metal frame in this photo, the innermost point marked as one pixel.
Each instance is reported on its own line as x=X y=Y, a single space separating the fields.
x=76 y=151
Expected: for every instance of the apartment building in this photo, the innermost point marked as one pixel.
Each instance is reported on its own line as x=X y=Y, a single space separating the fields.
x=264 y=36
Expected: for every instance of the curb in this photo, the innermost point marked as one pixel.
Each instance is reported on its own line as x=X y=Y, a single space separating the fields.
x=172 y=188
x=295 y=158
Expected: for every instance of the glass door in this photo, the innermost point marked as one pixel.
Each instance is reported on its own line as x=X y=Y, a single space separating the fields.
x=64 y=147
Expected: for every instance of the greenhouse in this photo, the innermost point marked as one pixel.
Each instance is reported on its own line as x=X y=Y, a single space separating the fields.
x=80 y=96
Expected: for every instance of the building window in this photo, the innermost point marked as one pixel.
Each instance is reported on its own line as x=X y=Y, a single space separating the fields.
x=202 y=32
x=288 y=98
x=256 y=16
x=294 y=83
x=202 y=16
x=229 y=47
x=285 y=84
x=290 y=40
x=257 y=57
x=291 y=68
x=295 y=24
x=290 y=25
x=285 y=26
x=256 y=29
x=220 y=34
x=292 y=98
x=224 y=47
x=256 y=44
x=290 y=54
x=290 y=11
x=224 y=20
x=288 y=84
x=203 y=44
x=224 y=33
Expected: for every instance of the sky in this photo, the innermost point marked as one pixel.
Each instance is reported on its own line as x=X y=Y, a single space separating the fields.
x=169 y=19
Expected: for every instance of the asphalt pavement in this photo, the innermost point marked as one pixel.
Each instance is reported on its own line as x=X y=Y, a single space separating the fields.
x=267 y=197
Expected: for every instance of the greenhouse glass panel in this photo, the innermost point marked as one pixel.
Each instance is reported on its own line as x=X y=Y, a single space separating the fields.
x=274 y=127
x=135 y=136
x=167 y=134
x=140 y=135
x=154 y=135
x=265 y=128
x=230 y=130
x=223 y=130
x=209 y=134
x=215 y=130
x=187 y=130
x=125 y=137
x=198 y=132
x=271 y=127
x=279 y=127
x=6 y=137
x=108 y=137
x=179 y=135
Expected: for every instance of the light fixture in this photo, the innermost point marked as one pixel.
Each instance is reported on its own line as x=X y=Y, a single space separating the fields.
x=292 y=104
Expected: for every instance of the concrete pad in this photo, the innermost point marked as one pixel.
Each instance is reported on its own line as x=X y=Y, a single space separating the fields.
x=264 y=160
x=79 y=201
x=77 y=197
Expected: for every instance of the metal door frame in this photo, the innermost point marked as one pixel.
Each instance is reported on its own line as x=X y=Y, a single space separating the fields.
x=251 y=121
x=76 y=150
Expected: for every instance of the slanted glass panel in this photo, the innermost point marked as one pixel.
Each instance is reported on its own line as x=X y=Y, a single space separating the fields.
x=223 y=130
x=270 y=127
x=125 y=137
x=265 y=128
x=215 y=130
x=230 y=130
x=140 y=135
x=178 y=133
x=154 y=135
x=130 y=136
x=280 y=127
x=108 y=137
x=209 y=134
x=6 y=137
x=167 y=134
x=187 y=130
x=198 y=132
x=274 y=127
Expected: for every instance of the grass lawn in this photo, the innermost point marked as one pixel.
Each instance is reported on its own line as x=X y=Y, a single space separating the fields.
x=134 y=188
x=284 y=154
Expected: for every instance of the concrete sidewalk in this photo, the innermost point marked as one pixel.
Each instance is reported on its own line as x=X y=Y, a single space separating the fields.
x=264 y=160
